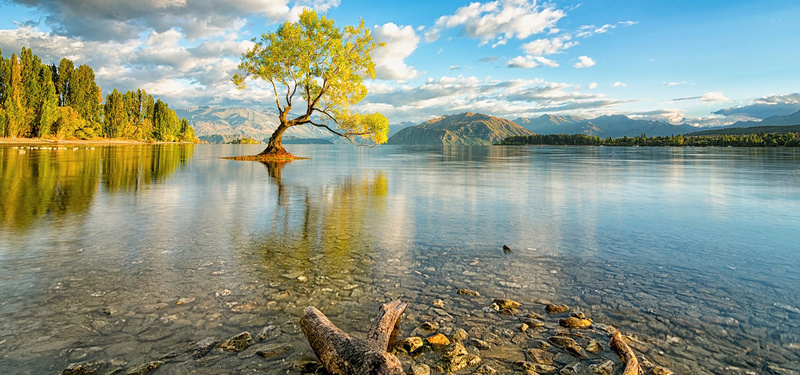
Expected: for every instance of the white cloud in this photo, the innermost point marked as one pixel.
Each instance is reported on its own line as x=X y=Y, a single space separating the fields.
x=527 y=62
x=764 y=107
x=503 y=18
x=714 y=96
x=400 y=43
x=524 y=62
x=540 y=47
x=125 y=19
x=619 y=84
x=546 y=62
x=592 y=86
x=511 y=99
x=585 y=62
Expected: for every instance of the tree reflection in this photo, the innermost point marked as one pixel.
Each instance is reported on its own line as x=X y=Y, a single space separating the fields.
x=330 y=230
x=39 y=182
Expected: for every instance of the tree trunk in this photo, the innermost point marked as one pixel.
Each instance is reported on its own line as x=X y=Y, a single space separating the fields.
x=274 y=147
x=342 y=354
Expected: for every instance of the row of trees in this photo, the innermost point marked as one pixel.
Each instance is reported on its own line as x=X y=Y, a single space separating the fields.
x=746 y=140
x=43 y=101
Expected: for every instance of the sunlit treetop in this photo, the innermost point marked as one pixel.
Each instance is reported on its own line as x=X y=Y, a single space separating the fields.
x=325 y=67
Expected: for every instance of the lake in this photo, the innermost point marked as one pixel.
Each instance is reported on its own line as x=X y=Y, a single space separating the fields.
x=127 y=254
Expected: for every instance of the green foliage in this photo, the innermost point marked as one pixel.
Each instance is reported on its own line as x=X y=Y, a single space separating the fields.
x=244 y=141
x=38 y=100
x=325 y=66
x=747 y=140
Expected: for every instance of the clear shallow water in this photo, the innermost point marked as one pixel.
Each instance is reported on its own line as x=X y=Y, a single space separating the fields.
x=694 y=250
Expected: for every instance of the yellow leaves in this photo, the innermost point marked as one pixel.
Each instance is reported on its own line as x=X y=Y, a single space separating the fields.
x=322 y=64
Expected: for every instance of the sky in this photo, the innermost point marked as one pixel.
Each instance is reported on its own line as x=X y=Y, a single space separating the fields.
x=701 y=62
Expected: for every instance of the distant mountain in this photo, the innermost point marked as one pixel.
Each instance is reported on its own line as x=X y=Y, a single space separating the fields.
x=604 y=126
x=777 y=129
x=393 y=129
x=793 y=119
x=221 y=125
x=463 y=129
x=552 y=124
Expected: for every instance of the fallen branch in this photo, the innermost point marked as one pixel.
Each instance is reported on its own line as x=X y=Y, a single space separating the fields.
x=342 y=354
x=631 y=363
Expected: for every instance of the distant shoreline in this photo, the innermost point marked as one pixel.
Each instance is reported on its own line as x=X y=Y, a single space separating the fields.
x=100 y=141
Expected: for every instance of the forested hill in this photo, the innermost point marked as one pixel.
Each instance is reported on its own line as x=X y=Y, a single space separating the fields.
x=463 y=129
x=62 y=101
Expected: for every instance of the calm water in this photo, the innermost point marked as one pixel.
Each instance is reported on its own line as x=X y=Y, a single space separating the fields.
x=127 y=253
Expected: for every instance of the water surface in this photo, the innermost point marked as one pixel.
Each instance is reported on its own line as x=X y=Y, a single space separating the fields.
x=131 y=252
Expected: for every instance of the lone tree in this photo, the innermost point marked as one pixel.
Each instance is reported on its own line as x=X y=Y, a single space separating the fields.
x=325 y=67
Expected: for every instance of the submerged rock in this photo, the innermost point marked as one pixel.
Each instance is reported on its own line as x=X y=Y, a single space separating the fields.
x=594 y=347
x=237 y=343
x=469 y=293
x=506 y=306
x=409 y=344
x=540 y=356
x=460 y=335
x=145 y=368
x=573 y=322
x=83 y=368
x=204 y=346
x=420 y=369
x=268 y=332
x=553 y=308
x=429 y=326
x=605 y=368
x=273 y=350
x=438 y=340
x=569 y=345
x=481 y=344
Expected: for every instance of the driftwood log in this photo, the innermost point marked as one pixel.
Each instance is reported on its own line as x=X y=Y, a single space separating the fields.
x=631 y=363
x=342 y=354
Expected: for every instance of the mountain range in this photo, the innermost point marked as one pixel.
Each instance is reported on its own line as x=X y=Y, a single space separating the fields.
x=463 y=129
x=222 y=125
x=604 y=126
x=792 y=119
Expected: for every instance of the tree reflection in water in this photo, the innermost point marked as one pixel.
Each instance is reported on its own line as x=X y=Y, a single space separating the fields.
x=330 y=231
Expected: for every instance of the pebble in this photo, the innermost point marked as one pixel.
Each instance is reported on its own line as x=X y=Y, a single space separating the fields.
x=573 y=322
x=236 y=343
x=409 y=344
x=144 y=368
x=420 y=369
x=554 y=308
x=469 y=293
x=204 y=346
x=83 y=368
x=438 y=340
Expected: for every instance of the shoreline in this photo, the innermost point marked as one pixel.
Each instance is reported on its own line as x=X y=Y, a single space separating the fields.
x=99 y=141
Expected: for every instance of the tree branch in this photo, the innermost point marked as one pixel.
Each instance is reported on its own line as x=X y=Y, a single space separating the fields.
x=277 y=97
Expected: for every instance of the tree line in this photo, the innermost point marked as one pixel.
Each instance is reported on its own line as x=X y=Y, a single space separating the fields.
x=744 y=140
x=63 y=101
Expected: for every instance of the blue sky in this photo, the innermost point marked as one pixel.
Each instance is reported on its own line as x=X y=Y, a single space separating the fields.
x=698 y=62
